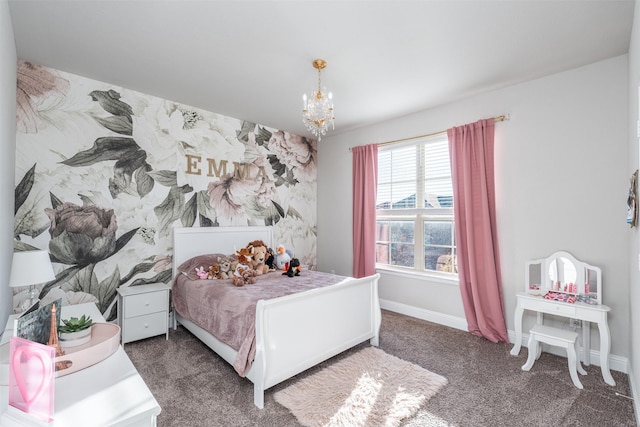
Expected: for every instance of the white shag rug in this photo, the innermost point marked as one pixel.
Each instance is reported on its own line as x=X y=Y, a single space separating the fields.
x=368 y=388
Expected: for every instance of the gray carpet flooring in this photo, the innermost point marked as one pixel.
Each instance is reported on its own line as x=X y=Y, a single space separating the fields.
x=486 y=386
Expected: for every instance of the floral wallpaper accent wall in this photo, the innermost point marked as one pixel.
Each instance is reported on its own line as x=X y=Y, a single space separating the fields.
x=103 y=174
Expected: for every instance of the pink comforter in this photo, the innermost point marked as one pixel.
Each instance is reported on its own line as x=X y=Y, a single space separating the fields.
x=228 y=312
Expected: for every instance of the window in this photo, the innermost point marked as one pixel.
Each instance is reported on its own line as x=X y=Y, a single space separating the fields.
x=414 y=208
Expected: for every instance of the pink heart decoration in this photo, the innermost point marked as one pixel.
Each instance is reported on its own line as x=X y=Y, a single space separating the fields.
x=31 y=373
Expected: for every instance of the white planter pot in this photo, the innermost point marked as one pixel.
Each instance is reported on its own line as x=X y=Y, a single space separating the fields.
x=72 y=339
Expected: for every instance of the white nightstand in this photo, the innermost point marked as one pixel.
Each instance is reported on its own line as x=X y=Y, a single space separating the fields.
x=143 y=311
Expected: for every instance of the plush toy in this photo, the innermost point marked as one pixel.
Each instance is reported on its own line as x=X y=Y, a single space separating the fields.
x=243 y=272
x=201 y=273
x=282 y=258
x=214 y=271
x=224 y=264
x=270 y=260
x=294 y=268
x=258 y=256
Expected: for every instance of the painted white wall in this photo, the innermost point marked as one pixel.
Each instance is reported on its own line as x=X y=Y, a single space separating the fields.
x=8 y=59
x=561 y=183
x=634 y=241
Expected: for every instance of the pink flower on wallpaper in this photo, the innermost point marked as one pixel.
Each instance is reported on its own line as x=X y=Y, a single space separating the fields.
x=250 y=196
x=265 y=193
x=34 y=81
x=221 y=195
x=162 y=263
x=297 y=153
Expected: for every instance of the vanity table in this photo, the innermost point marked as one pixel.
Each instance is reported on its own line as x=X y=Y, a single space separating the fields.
x=567 y=279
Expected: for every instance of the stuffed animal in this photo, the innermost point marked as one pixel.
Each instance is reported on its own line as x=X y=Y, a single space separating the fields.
x=282 y=258
x=224 y=264
x=294 y=268
x=258 y=256
x=214 y=271
x=201 y=273
x=270 y=260
x=243 y=273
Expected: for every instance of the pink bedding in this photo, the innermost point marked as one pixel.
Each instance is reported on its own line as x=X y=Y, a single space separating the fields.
x=228 y=312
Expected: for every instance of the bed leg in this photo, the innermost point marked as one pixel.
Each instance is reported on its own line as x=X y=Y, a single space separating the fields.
x=374 y=341
x=258 y=396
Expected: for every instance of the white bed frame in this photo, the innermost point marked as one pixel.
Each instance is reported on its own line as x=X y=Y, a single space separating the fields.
x=294 y=332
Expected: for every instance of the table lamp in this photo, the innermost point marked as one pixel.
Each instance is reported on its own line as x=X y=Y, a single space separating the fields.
x=30 y=268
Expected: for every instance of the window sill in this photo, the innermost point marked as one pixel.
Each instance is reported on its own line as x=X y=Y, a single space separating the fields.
x=442 y=278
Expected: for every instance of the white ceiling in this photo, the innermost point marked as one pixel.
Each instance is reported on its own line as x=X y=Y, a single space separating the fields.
x=251 y=60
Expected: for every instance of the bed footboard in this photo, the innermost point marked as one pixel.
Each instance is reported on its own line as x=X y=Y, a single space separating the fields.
x=296 y=332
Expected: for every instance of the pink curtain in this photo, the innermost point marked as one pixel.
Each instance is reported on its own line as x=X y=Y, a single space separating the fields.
x=365 y=184
x=471 y=151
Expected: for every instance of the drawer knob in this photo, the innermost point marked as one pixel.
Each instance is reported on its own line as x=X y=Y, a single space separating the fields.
x=146 y=303
x=146 y=325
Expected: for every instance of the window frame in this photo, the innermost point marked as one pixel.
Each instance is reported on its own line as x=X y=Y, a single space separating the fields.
x=419 y=216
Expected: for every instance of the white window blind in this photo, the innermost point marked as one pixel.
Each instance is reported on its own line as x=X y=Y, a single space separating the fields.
x=415 y=225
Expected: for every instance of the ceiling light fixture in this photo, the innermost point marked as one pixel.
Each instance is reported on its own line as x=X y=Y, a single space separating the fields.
x=317 y=110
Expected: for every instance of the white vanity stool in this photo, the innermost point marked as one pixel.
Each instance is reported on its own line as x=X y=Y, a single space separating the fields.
x=558 y=337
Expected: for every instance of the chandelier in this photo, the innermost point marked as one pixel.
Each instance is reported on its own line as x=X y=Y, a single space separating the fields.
x=317 y=111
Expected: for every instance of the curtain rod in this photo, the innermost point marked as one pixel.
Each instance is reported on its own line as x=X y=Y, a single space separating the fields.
x=442 y=132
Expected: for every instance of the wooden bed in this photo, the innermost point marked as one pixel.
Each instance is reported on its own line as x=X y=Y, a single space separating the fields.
x=326 y=320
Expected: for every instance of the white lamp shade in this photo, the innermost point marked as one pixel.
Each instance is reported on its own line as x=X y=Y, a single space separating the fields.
x=31 y=268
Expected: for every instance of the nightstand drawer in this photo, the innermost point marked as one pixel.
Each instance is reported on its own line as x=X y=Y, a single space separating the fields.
x=140 y=327
x=150 y=302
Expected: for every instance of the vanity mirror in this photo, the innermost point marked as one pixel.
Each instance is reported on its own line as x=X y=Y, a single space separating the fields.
x=562 y=272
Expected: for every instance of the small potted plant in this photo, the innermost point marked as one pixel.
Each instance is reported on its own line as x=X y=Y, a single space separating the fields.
x=75 y=331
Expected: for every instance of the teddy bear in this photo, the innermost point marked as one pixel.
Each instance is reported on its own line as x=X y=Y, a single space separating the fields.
x=224 y=264
x=259 y=256
x=243 y=273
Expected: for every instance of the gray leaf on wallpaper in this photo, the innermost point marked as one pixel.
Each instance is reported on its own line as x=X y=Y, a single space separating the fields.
x=169 y=210
x=165 y=177
x=278 y=208
x=291 y=211
x=204 y=206
x=188 y=217
x=282 y=174
x=124 y=239
x=110 y=102
x=24 y=188
x=104 y=149
x=279 y=169
x=105 y=291
x=245 y=130
x=55 y=201
x=263 y=136
x=63 y=279
x=144 y=182
x=124 y=169
x=117 y=124
x=142 y=267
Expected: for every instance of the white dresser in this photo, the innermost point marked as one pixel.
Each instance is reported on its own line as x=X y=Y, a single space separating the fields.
x=143 y=311
x=109 y=393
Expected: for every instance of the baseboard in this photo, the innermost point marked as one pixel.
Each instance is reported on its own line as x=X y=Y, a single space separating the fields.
x=635 y=394
x=616 y=363
x=428 y=315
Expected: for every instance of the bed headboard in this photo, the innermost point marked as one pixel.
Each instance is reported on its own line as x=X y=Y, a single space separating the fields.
x=189 y=242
